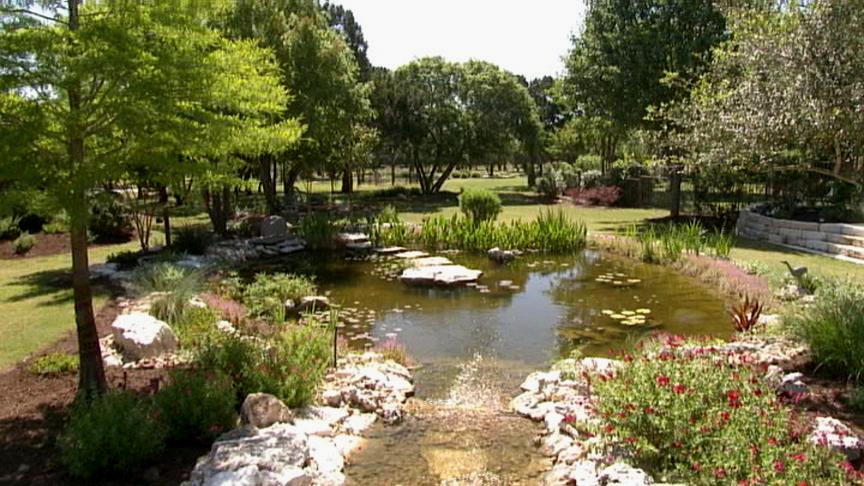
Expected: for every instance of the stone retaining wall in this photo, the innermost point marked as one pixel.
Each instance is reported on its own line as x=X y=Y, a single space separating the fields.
x=845 y=240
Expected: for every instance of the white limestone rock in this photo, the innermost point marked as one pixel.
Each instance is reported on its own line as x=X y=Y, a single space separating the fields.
x=831 y=432
x=140 y=336
x=440 y=275
x=324 y=455
x=621 y=474
x=263 y=410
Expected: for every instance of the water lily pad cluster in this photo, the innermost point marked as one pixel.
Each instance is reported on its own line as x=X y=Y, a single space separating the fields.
x=617 y=279
x=627 y=317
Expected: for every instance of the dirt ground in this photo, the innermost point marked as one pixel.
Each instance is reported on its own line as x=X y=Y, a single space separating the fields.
x=33 y=410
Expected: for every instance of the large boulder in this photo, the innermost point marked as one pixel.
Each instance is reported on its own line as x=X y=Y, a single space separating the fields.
x=140 y=336
x=263 y=410
x=271 y=456
x=273 y=227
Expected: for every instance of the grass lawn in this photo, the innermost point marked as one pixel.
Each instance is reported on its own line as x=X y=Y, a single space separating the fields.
x=36 y=301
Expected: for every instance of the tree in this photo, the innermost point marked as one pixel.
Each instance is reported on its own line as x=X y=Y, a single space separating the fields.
x=343 y=21
x=626 y=52
x=318 y=68
x=784 y=94
x=88 y=95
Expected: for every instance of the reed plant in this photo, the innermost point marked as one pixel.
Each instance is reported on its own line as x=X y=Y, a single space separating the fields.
x=550 y=231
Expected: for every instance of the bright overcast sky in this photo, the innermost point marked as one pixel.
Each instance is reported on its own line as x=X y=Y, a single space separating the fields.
x=526 y=37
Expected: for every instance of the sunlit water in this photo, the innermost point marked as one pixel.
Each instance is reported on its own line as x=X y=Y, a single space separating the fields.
x=474 y=345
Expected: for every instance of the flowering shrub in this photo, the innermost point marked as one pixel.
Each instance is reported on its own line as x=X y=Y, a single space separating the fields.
x=595 y=196
x=196 y=407
x=693 y=417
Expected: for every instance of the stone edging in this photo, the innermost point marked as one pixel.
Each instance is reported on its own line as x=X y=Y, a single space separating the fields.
x=837 y=240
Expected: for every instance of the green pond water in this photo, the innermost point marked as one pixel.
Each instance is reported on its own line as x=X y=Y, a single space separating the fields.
x=474 y=346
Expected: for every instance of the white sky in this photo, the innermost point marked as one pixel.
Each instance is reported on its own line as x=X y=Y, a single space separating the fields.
x=527 y=37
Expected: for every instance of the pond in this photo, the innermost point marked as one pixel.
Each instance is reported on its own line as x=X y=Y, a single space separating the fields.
x=474 y=345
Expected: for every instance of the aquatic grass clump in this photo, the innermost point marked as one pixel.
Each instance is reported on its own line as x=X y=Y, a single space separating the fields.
x=667 y=243
x=317 y=230
x=833 y=328
x=550 y=231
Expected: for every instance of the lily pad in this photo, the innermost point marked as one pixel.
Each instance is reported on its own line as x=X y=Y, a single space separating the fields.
x=607 y=312
x=628 y=312
x=643 y=311
x=618 y=317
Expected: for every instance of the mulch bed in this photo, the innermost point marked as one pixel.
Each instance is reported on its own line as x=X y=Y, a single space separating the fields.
x=46 y=245
x=33 y=410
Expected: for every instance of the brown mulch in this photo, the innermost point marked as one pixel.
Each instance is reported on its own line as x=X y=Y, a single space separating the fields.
x=33 y=410
x=46 y=244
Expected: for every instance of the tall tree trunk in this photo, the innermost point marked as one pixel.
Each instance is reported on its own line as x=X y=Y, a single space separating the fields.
x=393 y=172
x=166 y=213
x=347 y=181
x=91 y=372
x=675 y=192
x=267 y=182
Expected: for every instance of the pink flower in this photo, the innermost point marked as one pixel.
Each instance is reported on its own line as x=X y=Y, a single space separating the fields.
x=734 y=397
x=662 y=380
x=679 y=389
x=779 y=466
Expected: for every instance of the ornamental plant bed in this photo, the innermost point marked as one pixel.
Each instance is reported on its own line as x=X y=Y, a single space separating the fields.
x=34 y=411
x=702 y=416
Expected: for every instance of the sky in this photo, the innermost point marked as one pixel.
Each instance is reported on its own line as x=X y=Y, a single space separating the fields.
x=527 y=37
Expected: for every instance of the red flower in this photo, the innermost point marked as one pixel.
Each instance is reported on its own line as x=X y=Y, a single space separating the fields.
x=631 y=440
x=734 y=397
x=662 y=380
x=724 y=416
x=696 y=466
x=679 y=389
x=779 y=466
x=720 y=473
x=798 y=457
x=649 y=410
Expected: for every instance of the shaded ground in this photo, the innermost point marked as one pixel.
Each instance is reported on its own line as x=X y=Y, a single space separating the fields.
x=33 y=411
x=45 y=245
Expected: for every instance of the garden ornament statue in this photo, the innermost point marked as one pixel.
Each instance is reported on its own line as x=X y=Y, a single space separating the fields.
x=796 y=272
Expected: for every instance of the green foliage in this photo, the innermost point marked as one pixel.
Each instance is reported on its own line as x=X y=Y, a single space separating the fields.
x=318 y=231
x=694 y=417
x=833 y=328
x=194 y=326
x=58 y=223
x=113 y=434
x=192 y=240
x=265 y=296
x=9 y=228
x=551 y=231
x=666 y=243
x=54 y=364
x=388 y=214
x=480 y=205
x=393 y=350
x=166 y=277
x=23 y=243
x=856 y=399
x=196 y=407
x=551 y=183
x=125 y=260
x=109 y=221
x=290 y=365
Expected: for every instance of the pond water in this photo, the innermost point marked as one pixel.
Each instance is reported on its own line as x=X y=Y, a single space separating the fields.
x=474 y=345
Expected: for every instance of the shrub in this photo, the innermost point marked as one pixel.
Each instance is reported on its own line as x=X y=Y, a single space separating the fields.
x=194 y=326
x=125 y=260
x=193 y=240
x=833 y=327
x=265 y=296
x=9 y=228
x=695 y=418
x=592 y=178
x=551 y=183
x=595 y=196
x=109 y=220
x=587 y=163
x=856 y=399
x=196 y=407
x=480 y=205
x=54 y=364
x=290 y=365
x=166 y=277
x=115 y=433
x=397 y=192
x=58 y=223
x=23 y=243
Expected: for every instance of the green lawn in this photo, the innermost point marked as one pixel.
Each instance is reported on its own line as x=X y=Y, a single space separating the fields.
x=35 y=299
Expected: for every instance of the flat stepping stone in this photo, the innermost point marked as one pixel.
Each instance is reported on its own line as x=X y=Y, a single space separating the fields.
x=440 y=275
x=411 y=255
x=291 y=248
x=431 y=261
x=352 y=237
x=390 y=250
x=361 y=245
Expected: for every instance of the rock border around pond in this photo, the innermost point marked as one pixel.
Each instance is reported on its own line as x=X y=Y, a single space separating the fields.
x=308 y=446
